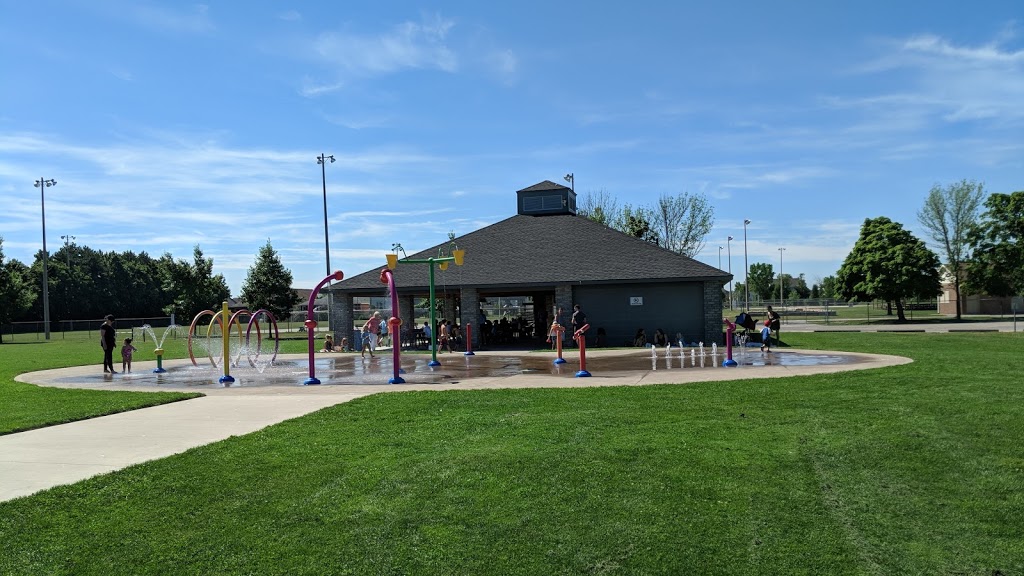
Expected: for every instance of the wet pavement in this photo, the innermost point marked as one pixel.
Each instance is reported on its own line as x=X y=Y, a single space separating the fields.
x=354 y=370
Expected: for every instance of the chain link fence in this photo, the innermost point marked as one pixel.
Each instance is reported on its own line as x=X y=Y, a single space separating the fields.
x=125 y=327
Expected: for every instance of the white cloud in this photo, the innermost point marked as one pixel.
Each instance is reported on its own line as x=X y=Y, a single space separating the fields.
x=505 y=65
x=194 y=21
x=989 y=53
x=410 y=45
x=311 y=89
x=956 y=83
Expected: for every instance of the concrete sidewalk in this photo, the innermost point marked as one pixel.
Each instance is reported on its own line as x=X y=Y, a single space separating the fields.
x=39 y=459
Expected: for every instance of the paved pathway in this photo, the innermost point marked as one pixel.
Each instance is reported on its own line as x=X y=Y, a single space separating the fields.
x=39 y=459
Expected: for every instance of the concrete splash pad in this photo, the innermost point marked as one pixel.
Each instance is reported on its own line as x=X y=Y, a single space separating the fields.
x=348 y=370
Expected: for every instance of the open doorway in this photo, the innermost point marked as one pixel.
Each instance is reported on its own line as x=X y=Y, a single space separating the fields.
x=510 y=321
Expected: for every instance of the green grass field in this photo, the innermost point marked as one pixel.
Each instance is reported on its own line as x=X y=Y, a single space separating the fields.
x=914 y=469
x=26 y=407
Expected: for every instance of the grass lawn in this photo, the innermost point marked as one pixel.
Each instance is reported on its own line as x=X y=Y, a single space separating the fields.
x=914 y=469
x=25 y=407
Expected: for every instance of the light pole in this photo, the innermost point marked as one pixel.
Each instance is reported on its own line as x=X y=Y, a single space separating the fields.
x=572 y=181
x=746 y=269
x=67 y=293
x=322 y=161
x=728 y=249
x=781 y=250
x=42 y=184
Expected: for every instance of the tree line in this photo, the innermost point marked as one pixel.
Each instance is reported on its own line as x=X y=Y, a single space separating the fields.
x=84 y=283
x=981 y=251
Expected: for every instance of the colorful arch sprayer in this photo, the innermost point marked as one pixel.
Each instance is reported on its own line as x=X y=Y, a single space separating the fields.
x=226 y=321
x=311 y=324
x=730 y=328
x=394 y=325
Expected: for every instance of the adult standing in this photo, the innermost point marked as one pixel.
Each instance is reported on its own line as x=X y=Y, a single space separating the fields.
x=579 y=319
x=108 y=339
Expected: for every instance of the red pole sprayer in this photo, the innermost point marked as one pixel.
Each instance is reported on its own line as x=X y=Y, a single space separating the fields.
x=469 y=340
x=310 y=324
x=730 y=328
x=394 y=326
x=558 y=330
x=581 y=341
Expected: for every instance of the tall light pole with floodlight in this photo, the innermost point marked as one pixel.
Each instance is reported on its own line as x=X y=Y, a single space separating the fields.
x=746 y=269
x=43 y=184
x=728 y=249
x=67 y=252
x=322 y=161
x=571 y=180
x=781 y=250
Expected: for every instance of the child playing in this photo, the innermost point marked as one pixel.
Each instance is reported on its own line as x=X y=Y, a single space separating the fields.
x=328 y=343
x=766 y=335
x=126 y=355
x=444 y=341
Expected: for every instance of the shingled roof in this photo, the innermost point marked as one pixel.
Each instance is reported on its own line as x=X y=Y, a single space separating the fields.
x=545 y=185
x=539 y=251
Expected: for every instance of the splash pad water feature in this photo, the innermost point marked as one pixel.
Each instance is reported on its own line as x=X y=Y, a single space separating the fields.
x=159 y=350
x=394 y=325
x=457 y=255
x=311 y=324
x=224 y=320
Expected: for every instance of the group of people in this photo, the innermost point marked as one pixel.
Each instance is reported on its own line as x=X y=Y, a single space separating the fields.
x=772 y=323
x=557 y=331
x=660 y=338
x=374 y=330
x=448 y=333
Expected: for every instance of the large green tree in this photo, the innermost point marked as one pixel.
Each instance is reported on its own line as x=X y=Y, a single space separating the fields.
x=683 y=222
x=827 y=287
x=997 y=241
x=793 y=287
x=16 y=295
x=762 y=280
x=637 y=222
x=192 y=287
x=888 y=263
x=949 y=213
x=268 y=285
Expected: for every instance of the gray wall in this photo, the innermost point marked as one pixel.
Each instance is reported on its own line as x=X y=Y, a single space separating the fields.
x=673 y=307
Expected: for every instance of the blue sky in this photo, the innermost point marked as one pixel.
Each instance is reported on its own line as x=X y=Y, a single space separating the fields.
x=170 y=124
